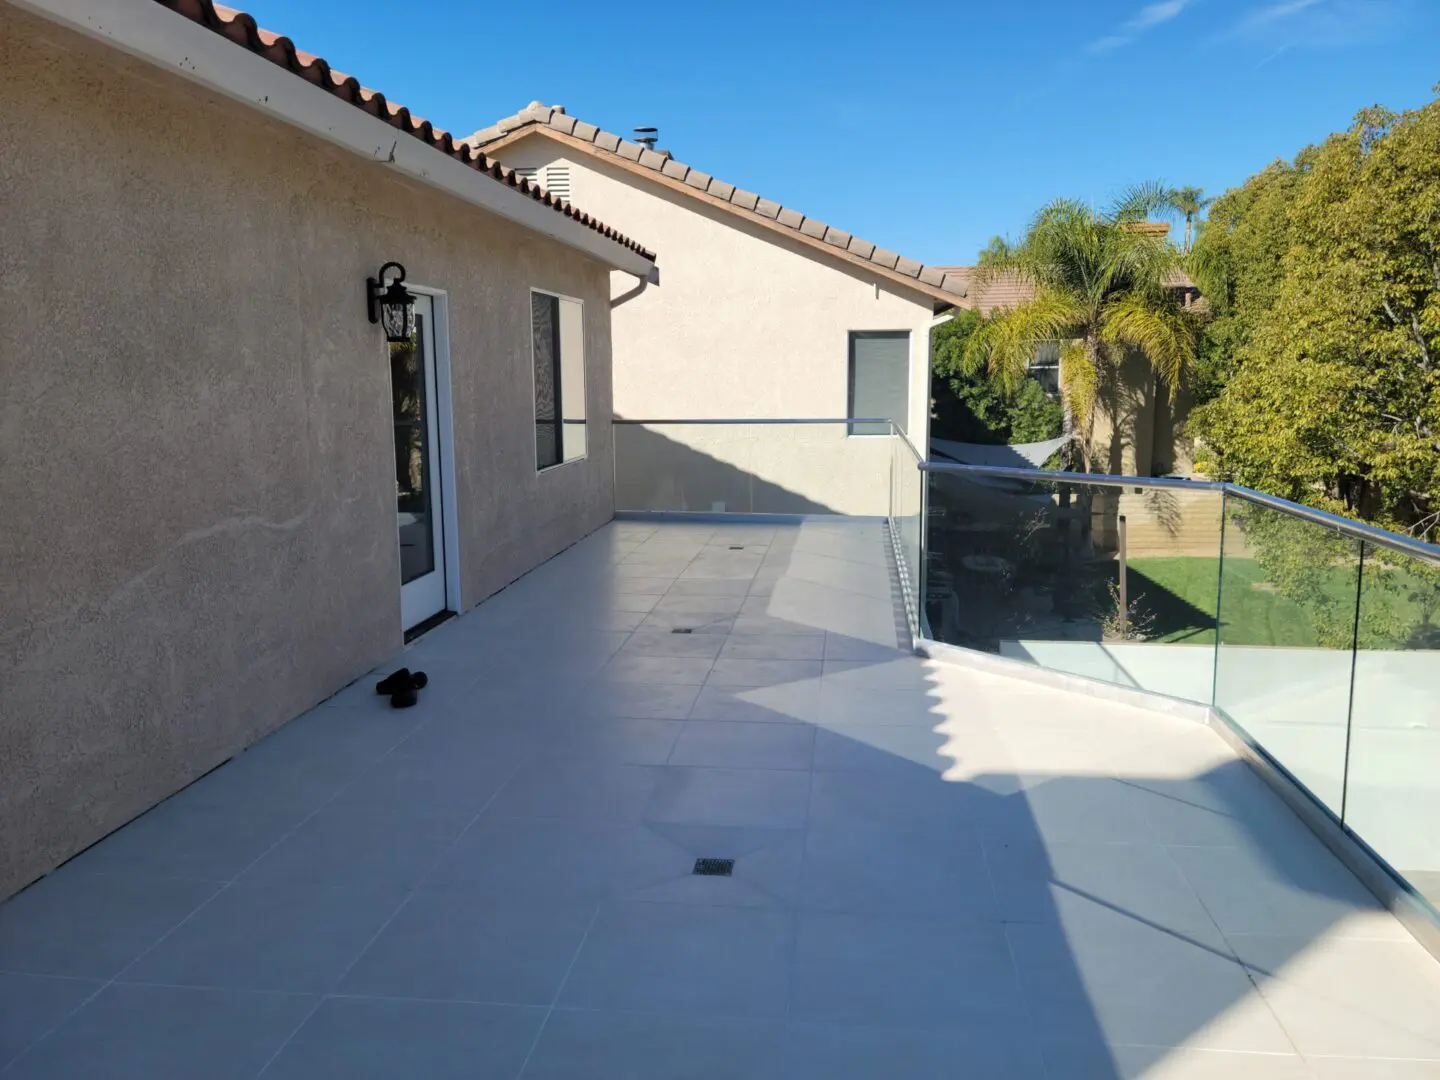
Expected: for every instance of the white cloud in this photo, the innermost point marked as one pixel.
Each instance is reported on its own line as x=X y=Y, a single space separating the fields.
x=1319 y=23
x=1148 y=17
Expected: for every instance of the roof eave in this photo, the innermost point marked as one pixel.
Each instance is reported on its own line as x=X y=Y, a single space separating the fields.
x=153 y=33
x=941 y=298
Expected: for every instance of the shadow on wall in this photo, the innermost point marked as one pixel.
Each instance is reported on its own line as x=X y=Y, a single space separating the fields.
x=656 y=472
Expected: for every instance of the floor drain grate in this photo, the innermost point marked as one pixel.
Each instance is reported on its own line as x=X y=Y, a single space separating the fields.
x=714 y=867
x=737 y=547
x=682 y=630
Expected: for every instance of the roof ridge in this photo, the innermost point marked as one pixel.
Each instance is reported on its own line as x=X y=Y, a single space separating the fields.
x=240 y=28
x=555 y=118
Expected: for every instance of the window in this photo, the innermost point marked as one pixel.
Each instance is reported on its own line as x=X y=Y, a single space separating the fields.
x=879 y=379
x=1045 y=367
x=558 y=348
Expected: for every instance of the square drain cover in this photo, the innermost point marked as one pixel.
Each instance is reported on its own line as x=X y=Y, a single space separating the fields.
x=714 y=867
x=682 y=630
x=737 y=547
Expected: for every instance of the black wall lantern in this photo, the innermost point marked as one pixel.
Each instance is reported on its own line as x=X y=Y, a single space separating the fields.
x=392 y=306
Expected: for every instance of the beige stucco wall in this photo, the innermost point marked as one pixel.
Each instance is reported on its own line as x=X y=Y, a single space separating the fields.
x=196 y=457
x=744 y=323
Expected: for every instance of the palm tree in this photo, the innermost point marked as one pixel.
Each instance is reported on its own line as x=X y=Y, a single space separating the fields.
x=1103 y=285
x=1188 y=202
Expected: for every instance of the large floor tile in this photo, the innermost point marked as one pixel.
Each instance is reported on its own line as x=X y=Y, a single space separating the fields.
x=787 y=703
x=92 y=927
x=951 y=973
x=427 y=784
x=902 y=799
x=1099 y=1061
x=183 y=839
x=366 y=1039
x=729 y=671
x=766 y=871
x=1139 y=879
x=770 y=798
x=864 y=1053
x=677 y=670
x=574 y=789
x=879 y=869
x=1299 y=890
x=1346 y=997
x=446 y=946
x=1067 y=808
x=30 y=1005
x=167 y=1033
x=741 y=646
x=712 y=961
x=749 y=745
x=361 y=849
x=638 y=700
x=884 y=748
x=1101 y=973
x=660 y=643
x=297 y=938
x=586 y=1044
x=620 y=740
x=505 y=859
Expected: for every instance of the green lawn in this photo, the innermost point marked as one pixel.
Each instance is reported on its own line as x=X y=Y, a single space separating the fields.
x=1181 y=593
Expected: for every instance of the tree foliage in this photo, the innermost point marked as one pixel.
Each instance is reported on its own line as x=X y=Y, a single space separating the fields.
x=1102 y=285
x=1323 y=359
x=970 y=408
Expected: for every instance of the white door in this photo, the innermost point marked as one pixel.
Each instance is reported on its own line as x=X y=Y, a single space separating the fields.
x=419 y=510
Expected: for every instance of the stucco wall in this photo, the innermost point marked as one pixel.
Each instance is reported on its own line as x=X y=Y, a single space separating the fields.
x=744 y=323
x=196 y=457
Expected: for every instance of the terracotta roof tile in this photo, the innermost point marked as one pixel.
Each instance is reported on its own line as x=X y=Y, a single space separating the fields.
x=936 y=278
x=1009 y=291
x=241 y=29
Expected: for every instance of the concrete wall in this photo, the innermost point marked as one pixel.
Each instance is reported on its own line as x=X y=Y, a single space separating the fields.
x=196 y=457
x=744 y=323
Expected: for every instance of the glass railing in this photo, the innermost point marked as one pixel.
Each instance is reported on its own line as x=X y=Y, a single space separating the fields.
x=1316 y=637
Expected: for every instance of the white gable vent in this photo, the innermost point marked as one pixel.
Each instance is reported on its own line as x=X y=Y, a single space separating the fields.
x=552 y=178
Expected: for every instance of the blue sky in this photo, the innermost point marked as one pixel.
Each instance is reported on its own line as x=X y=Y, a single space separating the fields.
x=924 y=128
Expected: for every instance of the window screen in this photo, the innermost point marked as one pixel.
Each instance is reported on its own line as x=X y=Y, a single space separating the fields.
x=558 y=347
x=879 y=379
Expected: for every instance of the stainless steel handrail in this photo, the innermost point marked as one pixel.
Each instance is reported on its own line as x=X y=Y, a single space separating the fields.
x=1394 y=541
x=1100 y=479
x=1373 y=534
x=766 y=420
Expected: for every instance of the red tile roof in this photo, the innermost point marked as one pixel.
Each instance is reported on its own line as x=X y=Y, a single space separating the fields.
x=1011 y=290
x=241 y=28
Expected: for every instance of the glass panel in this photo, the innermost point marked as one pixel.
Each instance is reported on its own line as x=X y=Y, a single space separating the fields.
x=1392 y=790
x=880 y=379
x=572 y=380
x=907 y=487
x=412 y=454
x=545 y=346
x=1035 y=570
x=751 y=468
x=1287 y=623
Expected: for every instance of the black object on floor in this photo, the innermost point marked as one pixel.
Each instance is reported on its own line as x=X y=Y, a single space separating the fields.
x=396 y=680
x=404 y=699
x=714 y=867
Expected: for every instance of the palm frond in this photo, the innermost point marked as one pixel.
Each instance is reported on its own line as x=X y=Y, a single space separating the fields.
x=1004 y=344
x=1139 y=201
x=1079 y=382
x=1161 y=331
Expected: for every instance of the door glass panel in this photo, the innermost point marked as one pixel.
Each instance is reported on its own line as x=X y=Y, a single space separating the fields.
x=412 y=455
x=545 y=340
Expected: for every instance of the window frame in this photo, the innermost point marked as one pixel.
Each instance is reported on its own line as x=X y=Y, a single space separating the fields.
x=850 y=339
x=559 y=381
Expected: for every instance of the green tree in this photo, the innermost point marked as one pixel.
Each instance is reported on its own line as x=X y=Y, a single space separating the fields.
x=1103 y=286
x=1324 y=275
x=971 y=408
x=1187 y=202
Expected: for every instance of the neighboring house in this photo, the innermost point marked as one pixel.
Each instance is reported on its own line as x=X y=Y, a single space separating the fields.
x=1139 y=425
x=761 y=312
x=226 y=496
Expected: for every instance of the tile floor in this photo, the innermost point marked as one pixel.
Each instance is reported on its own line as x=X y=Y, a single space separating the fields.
x=938 y=874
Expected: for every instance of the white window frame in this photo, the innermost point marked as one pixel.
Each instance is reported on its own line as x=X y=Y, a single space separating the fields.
x=560 y=404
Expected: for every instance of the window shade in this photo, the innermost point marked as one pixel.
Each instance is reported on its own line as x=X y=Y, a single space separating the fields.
x=879 y=379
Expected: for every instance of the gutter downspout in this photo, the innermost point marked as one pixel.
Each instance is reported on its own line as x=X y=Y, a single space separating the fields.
x=642 y=283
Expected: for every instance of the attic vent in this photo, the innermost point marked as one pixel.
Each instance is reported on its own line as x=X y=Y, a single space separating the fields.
x=557 y=181
x=554 y=179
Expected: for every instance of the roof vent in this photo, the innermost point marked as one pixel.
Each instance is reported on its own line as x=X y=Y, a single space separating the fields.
x=647 y=137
